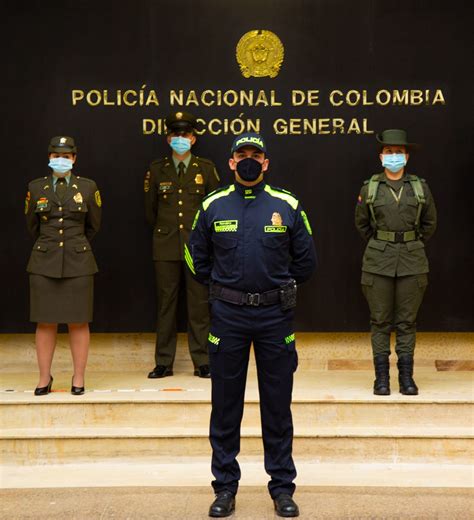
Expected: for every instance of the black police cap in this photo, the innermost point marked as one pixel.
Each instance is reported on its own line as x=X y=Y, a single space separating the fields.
x=180 y=121
x=62 y=144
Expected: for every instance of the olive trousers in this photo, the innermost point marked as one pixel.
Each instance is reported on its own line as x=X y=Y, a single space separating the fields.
x=169 y=275
x=393 y=304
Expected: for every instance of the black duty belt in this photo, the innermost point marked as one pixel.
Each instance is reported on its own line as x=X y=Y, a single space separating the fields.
x=396 y=236
x=226 y=294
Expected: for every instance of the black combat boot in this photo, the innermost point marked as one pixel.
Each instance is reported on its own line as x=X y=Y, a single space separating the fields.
x=405 y=375
x=382 y=375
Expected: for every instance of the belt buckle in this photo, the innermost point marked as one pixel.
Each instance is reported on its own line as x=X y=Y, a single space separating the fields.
x=399 y=237
x=253 y=299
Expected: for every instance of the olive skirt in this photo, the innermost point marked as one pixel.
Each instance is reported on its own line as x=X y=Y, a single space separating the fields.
x=61 y=300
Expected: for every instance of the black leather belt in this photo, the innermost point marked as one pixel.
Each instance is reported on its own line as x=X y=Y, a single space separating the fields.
x=226 y=294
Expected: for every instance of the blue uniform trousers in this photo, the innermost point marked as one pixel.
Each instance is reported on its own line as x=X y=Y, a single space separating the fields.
x=233 y=329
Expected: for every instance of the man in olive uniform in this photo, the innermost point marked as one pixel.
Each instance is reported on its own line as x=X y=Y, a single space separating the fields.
x=396 y=214
x=174 y=188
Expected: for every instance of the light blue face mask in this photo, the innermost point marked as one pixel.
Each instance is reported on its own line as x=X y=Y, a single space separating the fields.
x=394 y=161
x=180 y=145
x=60 y=165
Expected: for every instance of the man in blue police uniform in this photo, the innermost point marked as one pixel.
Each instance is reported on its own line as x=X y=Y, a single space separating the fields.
x=252 y=244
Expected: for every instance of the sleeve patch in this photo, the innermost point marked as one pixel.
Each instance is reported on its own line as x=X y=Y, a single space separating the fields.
x=27 y=202
x=306 y=222
x=146 y=184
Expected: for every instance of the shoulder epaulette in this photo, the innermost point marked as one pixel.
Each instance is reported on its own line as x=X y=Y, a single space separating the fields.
x=84 y=179
x=204 y=160
x=285 y=195
x=217 y=194
x=158 y=161
x=39 y=179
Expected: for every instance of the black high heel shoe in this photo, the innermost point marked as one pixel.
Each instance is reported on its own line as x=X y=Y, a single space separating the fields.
x=44 y=390
x=76 y=390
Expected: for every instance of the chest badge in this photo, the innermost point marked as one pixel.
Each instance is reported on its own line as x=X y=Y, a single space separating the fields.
x=277 y=224
x=78 y=198
x=199 y=179
x=276 y=219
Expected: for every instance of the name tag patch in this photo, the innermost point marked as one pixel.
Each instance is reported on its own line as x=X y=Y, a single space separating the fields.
x=226 y=226
x=165 y=186
x=275 y=229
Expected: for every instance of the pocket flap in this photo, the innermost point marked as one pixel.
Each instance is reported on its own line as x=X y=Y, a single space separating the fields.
x=196 y=189
x=411 y=201
x=367 y=278
x=224 y=242
x=377 y=244
x=422 y=280
x=162 y=230
x=275 y=242
x=415 y=244
x=82 y=248
x=78 y=208
x=40 y=247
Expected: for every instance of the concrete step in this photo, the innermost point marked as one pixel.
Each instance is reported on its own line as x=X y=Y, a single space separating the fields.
x=149 y=414
x=135 y=351
x=320 y=399
x=60 y=445
x=191 y=472
x=336 y=417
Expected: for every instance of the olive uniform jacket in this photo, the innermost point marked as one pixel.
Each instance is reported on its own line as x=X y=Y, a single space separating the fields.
x=389 y=258
x=62 y=229
x=171 y=207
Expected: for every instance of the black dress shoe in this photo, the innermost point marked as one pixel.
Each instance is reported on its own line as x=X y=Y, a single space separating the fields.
x=44 y=390
x=203 y=371
x=286 y=506
x=160 y=371
x=223 y=505
x=77 y=390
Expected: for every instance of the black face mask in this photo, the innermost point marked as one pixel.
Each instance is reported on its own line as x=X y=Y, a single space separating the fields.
x=249 y=169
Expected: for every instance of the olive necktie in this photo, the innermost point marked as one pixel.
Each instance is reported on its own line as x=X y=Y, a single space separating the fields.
x=61 y=187
x=181 y=172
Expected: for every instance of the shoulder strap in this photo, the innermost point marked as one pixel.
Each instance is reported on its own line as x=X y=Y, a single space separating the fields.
x=417 y=189
x=372 y=195
x=420 y=197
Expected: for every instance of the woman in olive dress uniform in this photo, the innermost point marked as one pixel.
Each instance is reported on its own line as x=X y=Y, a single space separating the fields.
x=63 y=214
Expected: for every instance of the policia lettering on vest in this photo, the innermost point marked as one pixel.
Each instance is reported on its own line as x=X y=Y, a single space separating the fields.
x=252 y=243
x=396 y=215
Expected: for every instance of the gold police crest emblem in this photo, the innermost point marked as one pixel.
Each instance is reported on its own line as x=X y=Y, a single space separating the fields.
x=260 y=53
x=276 y=219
